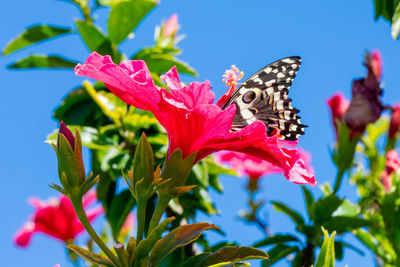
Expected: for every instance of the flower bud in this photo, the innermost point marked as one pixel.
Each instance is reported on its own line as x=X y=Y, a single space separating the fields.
x=170 y=27
x=394 y=122
x=69 y=155
x=392 y=166
x=338 y=105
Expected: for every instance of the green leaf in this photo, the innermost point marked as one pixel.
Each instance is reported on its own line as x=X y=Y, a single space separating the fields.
x=294 y=215
x=276 y=239
x=125 y=17
x=195 y=260
x=309 y=199
x=143 y=165
x=160 y=63
x=77 y=108
x=341 y=245
x=145 y=245
x=324 y=207
x=396 y=23
x=178 y=237
x=342 y=224
x=177 y=169
x=279 y=252
x=385 y=8
x=233 y=254
x=108 y=2
x=347 y=209
x=225 y=256
x=326 y=257
x=90 y=256
x=121 y=206
x=33 y=35
x=370 y=242
x=144 y=53
x=95 y=40
x=43 y=62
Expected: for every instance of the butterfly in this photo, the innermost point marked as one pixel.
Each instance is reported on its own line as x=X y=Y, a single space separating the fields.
x=264 y=97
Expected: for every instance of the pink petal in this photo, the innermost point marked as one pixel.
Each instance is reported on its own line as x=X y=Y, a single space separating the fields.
x=131 y=81
x=89 y=198
x=171 y=78
x=23 y=236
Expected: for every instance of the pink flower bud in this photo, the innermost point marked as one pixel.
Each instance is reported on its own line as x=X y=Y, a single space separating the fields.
x=394 y=122
x=171 y=26
x=392 y=166
x=338 y=105
x=67 y=133
x=69 y=156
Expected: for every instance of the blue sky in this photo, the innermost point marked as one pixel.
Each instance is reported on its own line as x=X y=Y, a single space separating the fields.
x=331 y=37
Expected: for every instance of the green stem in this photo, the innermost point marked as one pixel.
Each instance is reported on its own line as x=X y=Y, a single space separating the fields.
x=122 y=254
x=161 y=206
x=338 y=181
x=80 y=212
x=140 y=217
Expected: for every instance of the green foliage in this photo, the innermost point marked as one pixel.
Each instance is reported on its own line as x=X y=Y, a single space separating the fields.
x=178 y=237
x=330 y=212
x=43 y=62
x=125 y=17
x=33 y=35
x=90 y=256
x=119 y=209
x=326 y=257
x=390 y=11
x=225 y=257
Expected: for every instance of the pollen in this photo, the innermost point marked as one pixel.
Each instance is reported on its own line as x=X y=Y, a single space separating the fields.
x=232 y=76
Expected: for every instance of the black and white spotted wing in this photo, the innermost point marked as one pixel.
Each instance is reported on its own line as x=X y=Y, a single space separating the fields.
x=264 y=97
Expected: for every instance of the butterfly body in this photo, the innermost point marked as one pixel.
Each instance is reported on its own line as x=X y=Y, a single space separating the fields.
x=264 y=97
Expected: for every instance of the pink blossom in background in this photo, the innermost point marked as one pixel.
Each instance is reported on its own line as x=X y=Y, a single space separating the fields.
x=394 y=122
x=192 y=121
x=171 y=26
x=246 y=165
x=56 y=218
x=392 y=166
x=376 y=64
x=128 y=224
x=338 y=105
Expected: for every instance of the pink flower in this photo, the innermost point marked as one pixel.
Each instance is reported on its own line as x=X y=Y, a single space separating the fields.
x=56 y=218
x=394 y=122
x=171 y=26
x=392 y=166
x=254 y=167
x=128 y=224
x=376 y=63
x=338 y=105
x=192 y=122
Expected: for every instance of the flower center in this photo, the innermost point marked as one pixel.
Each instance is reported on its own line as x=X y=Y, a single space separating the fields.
x=231 y=78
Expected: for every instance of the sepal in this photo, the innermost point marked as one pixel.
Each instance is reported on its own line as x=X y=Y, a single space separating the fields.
x=90 y=256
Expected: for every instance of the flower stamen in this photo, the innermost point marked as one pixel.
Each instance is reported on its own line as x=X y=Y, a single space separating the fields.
x=231 y=78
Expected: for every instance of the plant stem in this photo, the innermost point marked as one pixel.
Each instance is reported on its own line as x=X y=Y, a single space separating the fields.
x=80 y=212
x=140 y=218
x=338 y=181
x=161 y=206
